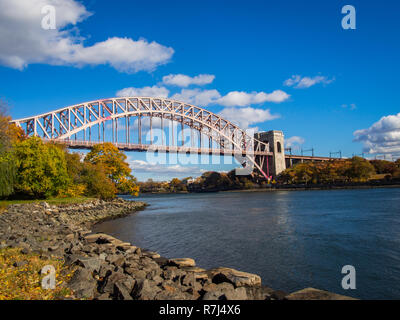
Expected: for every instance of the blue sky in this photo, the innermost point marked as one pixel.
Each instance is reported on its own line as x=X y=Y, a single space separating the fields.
x=350 y=77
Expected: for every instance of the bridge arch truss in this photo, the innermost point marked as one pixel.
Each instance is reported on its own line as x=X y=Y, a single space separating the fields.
x=86 y=124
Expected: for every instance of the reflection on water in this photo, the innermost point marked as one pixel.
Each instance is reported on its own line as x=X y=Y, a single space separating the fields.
x=292 y=239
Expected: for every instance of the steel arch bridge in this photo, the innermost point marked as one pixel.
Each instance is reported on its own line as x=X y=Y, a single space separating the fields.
x=86 y=124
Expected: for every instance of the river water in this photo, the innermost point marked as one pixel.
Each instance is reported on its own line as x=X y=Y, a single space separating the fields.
x=292 y=239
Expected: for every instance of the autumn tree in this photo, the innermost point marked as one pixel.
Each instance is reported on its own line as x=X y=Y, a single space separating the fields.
x=115 y=166
x=355 y=169
x=96 y=181
x=359 y=169
x=384 y=166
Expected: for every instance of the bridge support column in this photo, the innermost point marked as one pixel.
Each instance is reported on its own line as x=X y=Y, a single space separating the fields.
x=276 y=141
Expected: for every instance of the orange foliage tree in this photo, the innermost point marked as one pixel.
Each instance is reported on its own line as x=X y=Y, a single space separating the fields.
x=115 y=166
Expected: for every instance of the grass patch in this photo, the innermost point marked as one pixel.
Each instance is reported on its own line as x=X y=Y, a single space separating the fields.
x=24 y=282
x=54 y=201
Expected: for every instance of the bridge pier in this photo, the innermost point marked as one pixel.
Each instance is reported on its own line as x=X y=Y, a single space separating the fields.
x=277 y=163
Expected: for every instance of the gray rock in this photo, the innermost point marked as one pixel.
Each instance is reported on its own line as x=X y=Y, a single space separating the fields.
x=102 y=256
x=236 y=294
x=165 y=295
x=110 y=280
x=83 y=284
x=105 y=270
x=258 y=292
x=238 y=278
x=278 y=295
x=123 y=289
x=104 y=296
x=220 y=291
x=92 y=264
x=131 y=270
x=172 y=273
x=188 y=279
x=116 y=259
x=45 y=205
x=316 y=294
x=214 y=295
x=140 y=274
x=182 y=262
x=157 y=279
x=145 y=289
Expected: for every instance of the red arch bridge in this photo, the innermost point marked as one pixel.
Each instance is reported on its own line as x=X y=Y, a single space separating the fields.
x=169 y=126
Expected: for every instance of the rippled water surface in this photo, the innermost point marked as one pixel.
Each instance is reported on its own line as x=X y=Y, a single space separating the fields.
x=292 y=239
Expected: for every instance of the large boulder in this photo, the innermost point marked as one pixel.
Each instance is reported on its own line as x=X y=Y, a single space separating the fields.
x=172 y=273
x=223 y=291
x=182 y=262
x=90 y=263
x=83 y=284
x=316 y=294
x=237 y=294
x=109 y=281
x=258 y=292
x=237 y=278
x=123 y=288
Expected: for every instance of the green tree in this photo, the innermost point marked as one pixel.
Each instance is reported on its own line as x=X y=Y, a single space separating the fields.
x=9 y=135
x=7 y=174
x=359 y=169
x=41 y=168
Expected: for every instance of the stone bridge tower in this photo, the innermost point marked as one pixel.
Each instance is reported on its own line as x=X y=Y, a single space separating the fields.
x=276 y=145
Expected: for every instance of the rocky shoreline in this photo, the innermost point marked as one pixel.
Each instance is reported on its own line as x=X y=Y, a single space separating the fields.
x=106 y=268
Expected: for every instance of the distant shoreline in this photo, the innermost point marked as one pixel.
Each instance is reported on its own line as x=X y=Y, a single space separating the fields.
x=294 y=188
x=313 y=188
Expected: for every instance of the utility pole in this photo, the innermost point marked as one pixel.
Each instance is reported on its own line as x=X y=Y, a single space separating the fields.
x=333 y=153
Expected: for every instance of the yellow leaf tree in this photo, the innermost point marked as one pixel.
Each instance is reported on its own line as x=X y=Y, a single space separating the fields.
x=115 y=166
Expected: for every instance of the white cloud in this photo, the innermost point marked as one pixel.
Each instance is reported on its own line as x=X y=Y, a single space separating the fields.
x=24 y=41
x=299 y=82
x=143 y=166
x=382 y=137
x=182 y=80
x=294 y=141
x=244 y=117
x=197 y=97
x=203 y=98
x=351 y=106
x=242 y=99
x=154 y=91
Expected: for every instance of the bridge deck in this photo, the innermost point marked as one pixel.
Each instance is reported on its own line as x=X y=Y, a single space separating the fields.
x=76 y=144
